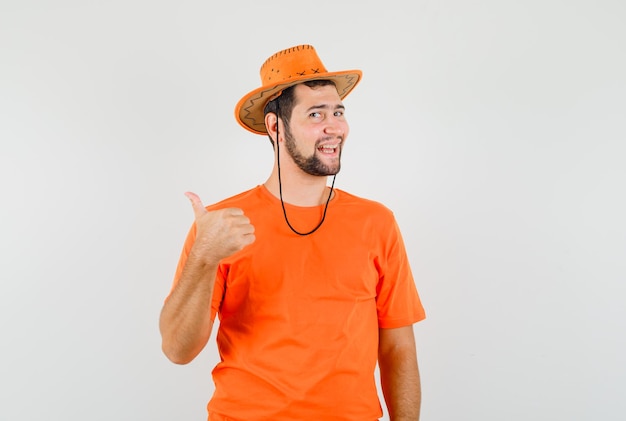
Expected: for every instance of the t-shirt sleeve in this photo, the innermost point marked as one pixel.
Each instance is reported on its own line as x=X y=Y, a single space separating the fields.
x=397 y=300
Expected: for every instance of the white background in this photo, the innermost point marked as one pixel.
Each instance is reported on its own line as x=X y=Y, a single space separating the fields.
x=495 y=130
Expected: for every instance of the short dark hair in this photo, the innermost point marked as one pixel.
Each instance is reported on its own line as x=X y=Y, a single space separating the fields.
x=283 y=105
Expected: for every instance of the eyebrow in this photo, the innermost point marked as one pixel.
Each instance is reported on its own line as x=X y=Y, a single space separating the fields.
x=325 y=107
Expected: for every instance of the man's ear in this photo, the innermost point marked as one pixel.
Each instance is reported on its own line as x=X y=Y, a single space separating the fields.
x=271 y=124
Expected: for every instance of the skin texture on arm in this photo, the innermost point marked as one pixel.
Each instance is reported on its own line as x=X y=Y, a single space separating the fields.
x=399 y=373
x=185 y=322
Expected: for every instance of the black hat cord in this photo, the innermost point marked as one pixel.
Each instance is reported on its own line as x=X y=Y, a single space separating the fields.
x=280 y=188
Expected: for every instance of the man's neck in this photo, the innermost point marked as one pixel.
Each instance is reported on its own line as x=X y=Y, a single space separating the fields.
x=299 y=189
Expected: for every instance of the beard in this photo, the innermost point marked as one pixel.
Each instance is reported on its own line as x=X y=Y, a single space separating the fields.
x=312 y=164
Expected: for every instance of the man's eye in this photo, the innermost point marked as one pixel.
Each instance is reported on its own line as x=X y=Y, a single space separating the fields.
x=338 y=113
x=315 y=114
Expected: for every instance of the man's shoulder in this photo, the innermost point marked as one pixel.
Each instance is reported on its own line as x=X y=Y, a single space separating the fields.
x=350 y=200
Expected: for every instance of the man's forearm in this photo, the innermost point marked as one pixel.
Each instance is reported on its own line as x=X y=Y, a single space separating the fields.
x=400 y=379
x=185 y=322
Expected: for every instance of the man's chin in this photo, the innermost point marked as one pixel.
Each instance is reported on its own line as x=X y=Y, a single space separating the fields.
x=336 y=171
x=316 y=166
x=331 y=170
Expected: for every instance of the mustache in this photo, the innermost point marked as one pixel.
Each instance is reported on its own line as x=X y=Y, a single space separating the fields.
x=326 y=139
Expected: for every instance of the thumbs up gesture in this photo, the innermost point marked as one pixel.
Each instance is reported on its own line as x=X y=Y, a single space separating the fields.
x=219 y=233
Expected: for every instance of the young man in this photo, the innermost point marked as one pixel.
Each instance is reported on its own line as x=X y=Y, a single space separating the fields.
x=312 y=285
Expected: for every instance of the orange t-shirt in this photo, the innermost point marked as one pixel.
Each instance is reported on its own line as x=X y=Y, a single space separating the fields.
x=299 y=315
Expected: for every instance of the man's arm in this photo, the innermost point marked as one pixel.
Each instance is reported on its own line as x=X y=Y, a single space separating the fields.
x=399 y=373
x=185 y=321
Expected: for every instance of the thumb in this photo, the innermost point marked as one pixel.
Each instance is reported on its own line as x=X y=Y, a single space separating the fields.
x=196 y=204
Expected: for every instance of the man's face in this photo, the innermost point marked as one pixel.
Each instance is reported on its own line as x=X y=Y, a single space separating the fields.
x=317 y=130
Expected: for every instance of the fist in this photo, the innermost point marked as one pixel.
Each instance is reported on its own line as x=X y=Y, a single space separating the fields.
x=219 y=233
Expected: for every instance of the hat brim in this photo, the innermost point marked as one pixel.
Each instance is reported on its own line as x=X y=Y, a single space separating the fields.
x=249 y=109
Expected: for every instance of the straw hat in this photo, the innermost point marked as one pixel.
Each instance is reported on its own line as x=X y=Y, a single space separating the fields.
x=282 y=70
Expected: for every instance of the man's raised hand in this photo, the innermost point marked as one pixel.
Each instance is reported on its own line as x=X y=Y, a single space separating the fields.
x=219 y=233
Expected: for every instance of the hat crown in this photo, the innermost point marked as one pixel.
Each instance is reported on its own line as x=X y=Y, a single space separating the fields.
x=293 y=62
